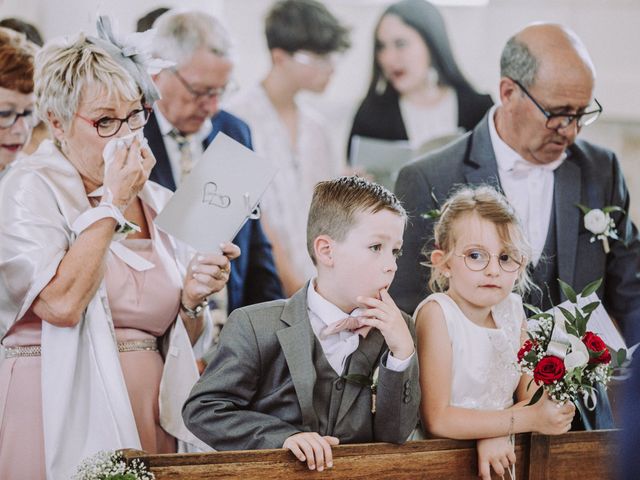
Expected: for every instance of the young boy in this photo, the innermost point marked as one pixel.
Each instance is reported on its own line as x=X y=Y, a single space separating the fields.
x=283 y=372
x=303 y=36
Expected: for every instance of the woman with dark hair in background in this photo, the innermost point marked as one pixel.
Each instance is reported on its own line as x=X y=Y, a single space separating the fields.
x=417 y=91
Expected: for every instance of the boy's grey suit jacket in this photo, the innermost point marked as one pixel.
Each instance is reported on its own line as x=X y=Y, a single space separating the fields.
x=258 y=388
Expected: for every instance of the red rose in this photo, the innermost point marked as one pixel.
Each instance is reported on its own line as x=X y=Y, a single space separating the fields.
x=548 y=369
x=595 y=344
x=526 y=348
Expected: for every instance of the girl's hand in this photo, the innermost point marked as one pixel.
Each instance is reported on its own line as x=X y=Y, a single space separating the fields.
x=553 y=418
x=384 y=315
x=497 y=453
x=207 y=274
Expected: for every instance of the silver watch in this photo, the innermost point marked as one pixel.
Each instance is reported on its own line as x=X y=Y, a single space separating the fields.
x=193 y=312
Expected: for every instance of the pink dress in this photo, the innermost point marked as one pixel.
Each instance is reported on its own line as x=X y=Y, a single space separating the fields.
x=143 y=306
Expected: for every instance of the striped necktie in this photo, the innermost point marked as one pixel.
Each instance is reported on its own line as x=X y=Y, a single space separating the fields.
x=184 y=145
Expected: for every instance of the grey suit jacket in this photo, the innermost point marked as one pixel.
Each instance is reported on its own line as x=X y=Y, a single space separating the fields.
x=590 y=175
x=258 y=388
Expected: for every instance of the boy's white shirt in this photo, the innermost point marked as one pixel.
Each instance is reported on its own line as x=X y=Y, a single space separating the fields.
x=339 y=346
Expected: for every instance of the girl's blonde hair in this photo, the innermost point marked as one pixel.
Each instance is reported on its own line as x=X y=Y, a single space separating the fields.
x=490 y=205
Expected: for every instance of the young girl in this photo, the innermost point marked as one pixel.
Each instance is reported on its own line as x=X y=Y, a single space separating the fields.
x=470 y=333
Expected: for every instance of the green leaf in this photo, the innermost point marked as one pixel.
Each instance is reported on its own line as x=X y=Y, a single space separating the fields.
x=529 y=384
x=590 y=307
x=532 y=308
x=541 y=315
x=568 y=315
x=591 y=288
x=583 y=208
x=358 y=379
x=621 y=356
x=432 y=214
x=613 y=208
x=536 y=396
x=568 y=291
x=572 y=330
x=530 y=357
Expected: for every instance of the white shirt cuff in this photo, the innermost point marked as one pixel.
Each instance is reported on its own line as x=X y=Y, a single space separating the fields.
x=398 y=365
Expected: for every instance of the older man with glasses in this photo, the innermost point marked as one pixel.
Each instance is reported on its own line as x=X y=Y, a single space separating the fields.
x=528 y=148
x=187 y=119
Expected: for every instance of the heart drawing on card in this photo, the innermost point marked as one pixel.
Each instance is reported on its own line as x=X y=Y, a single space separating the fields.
x=210 y=196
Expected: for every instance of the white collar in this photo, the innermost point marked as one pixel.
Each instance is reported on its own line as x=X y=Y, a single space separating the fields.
x=507 y=157
x=167 y=127
x=323 y=308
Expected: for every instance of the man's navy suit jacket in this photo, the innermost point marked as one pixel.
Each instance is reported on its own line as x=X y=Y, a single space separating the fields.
x=253 y=275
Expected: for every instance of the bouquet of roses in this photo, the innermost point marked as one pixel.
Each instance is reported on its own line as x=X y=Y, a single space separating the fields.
x=112 y=466
x=564 y=358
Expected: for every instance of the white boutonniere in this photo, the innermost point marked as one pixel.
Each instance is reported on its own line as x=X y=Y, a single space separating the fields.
x=599 y=222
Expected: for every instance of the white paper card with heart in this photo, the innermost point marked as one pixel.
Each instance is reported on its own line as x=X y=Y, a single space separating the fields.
x=218 y=197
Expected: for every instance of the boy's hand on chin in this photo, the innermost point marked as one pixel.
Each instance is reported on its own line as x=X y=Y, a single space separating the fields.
x=384 y=315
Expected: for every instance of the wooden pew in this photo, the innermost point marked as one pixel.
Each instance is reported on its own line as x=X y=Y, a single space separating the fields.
x=575 y=455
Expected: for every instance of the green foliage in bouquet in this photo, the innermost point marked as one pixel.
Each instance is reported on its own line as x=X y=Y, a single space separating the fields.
x=562 y=356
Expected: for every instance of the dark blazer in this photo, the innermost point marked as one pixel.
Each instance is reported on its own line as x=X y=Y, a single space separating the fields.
x=380 y=116
x=590 y=175
x=253 y=276
x=258 y=389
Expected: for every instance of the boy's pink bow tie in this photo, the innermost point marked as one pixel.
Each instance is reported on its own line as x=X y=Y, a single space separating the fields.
x=349 y=323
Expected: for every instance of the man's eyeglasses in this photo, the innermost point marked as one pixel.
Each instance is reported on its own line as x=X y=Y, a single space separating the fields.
x=108 y=126
x=8 y=118
x=477 y=259
x=200 y=94
x=556 y=121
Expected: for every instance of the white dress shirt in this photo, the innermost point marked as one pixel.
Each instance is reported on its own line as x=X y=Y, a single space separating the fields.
x=171 y=145
x=339 y=346
x=285 y=204
x=528 y=187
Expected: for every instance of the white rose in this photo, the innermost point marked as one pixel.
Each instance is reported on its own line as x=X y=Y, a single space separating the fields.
x=596 y=221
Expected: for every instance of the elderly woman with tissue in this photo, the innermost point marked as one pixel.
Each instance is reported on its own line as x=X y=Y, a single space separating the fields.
x=88 y=285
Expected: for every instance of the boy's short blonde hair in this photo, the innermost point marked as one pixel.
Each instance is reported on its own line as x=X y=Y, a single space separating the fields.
x=336 y=202
x=490 y=205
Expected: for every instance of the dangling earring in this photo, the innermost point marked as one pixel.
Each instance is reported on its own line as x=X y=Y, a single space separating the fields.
x=381 y=85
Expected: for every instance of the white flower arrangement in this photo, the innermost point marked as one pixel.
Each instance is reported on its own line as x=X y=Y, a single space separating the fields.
x=109 y=465
x=599 y=222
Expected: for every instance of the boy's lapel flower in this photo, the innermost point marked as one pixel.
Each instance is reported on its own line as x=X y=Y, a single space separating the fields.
x=599 y=222
x=435 y=213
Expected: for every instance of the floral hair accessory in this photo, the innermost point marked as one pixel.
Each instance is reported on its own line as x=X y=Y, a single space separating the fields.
x=132 y=52
x=599 y=222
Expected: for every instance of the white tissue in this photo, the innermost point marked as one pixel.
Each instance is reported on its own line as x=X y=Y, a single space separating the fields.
x=109 y=154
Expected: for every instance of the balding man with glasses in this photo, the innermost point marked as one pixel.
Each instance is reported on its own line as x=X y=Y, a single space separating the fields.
x=528 y=148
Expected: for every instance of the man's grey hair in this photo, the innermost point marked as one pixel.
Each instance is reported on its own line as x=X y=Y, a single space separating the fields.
x=180 y=33
x=518 y=63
